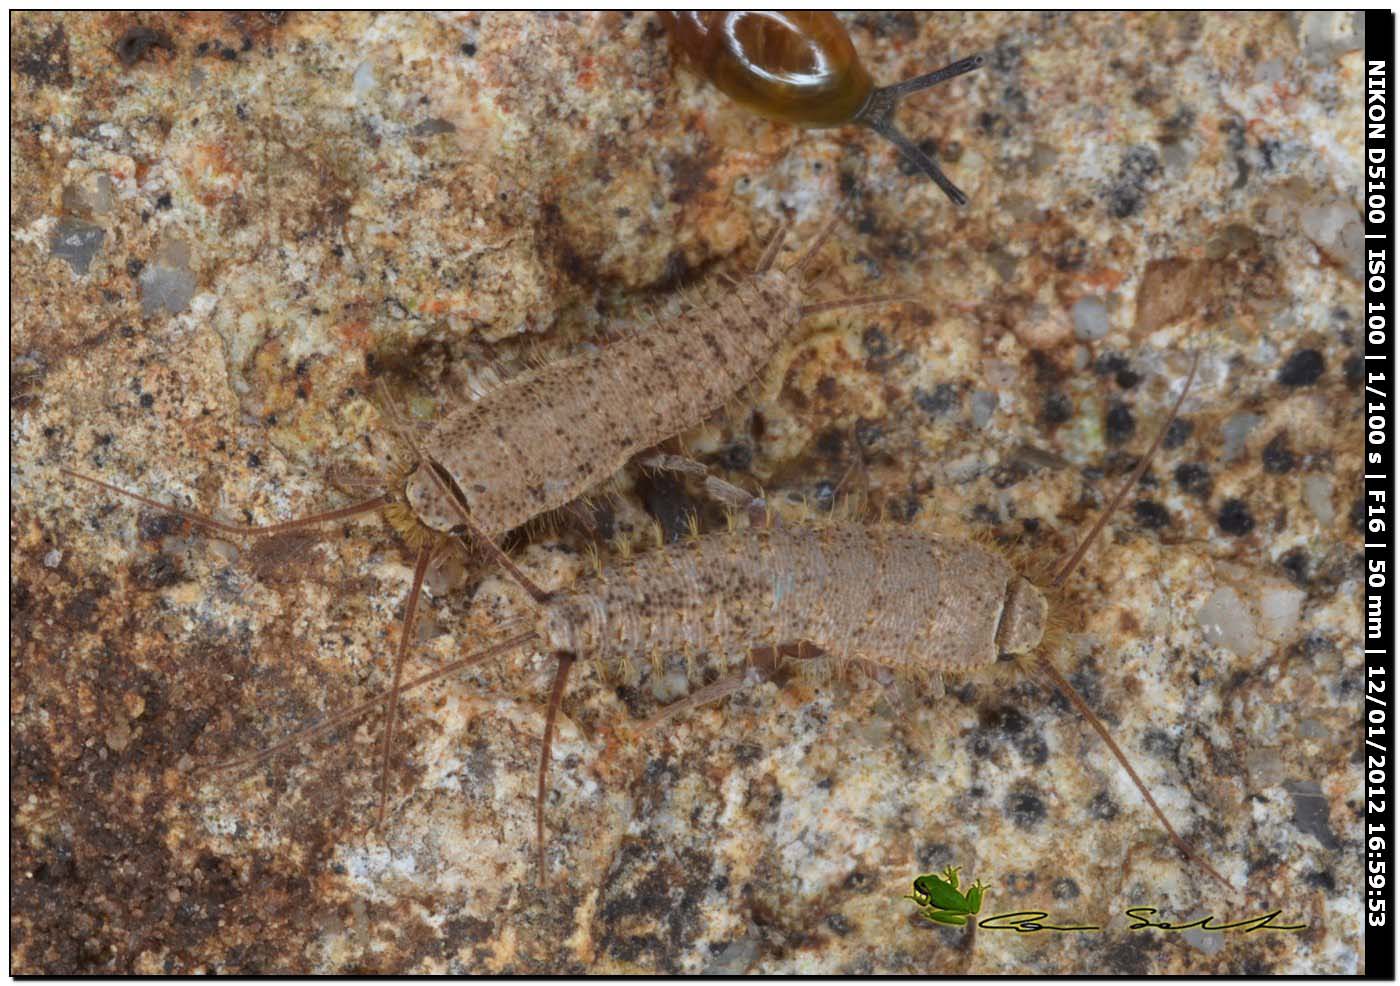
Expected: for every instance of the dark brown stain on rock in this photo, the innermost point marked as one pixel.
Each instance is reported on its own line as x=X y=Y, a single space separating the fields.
x=44 y=59
x=137 y=41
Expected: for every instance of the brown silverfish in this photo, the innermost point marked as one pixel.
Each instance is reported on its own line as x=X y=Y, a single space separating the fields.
x=546 y=438
x=876 y=598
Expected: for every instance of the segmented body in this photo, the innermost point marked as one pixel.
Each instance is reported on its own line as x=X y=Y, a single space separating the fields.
x=556 y=432
x=890 y=596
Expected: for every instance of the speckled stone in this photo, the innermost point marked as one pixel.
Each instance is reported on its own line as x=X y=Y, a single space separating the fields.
x=226 y=229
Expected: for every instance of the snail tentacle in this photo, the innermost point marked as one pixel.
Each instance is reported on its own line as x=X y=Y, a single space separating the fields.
x=878 y=115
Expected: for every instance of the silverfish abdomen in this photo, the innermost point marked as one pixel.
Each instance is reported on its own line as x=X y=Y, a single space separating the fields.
x=556 y=432
x=894 y=597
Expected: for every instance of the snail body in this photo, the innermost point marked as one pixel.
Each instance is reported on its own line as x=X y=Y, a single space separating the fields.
x=800 y=67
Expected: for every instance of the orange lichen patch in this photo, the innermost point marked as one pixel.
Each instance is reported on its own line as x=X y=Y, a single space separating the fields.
x=1169 y=290
x=213 y=172
x=1102 y=279
x=436 y=306
x=461 y=304
x=269 y=357
x=356 y=333
x=586 y=77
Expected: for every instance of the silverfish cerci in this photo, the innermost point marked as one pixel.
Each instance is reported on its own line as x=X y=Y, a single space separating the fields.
x=915 y=603
x=543 y=439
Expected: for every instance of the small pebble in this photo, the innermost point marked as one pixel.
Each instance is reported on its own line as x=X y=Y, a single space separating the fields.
x=52 y=558
x=1043 y=328
x=1354 y=369
x=984 y=405
x=76 y=242
x=1225 y=620
x=1090 y=319
x=1280 y=605
x=1335 y=227
x=1209 y=942
x=166 y=288
x=734 y=958
x=1269 y=72
x=1317 y=494
x=362 y=81
x=1235 y=431
x=1326 y=34
x=1103 y=807
x=433 y=126
x=135 y=705
x=737 y=457
x=427 y=629
x=118 y=736
x=671 y=686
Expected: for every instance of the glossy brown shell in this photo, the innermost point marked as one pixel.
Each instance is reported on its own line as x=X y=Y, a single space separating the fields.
x=795 y=66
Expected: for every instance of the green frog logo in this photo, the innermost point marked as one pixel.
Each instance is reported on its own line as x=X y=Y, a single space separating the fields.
x=939 y=898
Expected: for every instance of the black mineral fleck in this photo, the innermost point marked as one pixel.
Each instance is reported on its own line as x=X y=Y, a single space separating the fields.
x=939 y=401
x=1235 y=518
x=1103 y=807
x=1193 y=478
x=132 y=46
x=1278 y=457
x=1177 y=432
x=1024 y=807
x=1119 y=424
x=1057 y=409
x=1151 y=514
x=1303 y=369
x=1295 y=563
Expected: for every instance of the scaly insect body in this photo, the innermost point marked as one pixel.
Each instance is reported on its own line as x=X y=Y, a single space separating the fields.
x=898 y=599
x=542 y=440
x=891 y=597
x=557 y=432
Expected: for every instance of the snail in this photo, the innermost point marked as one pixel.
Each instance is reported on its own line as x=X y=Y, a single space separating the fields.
x=800 y=67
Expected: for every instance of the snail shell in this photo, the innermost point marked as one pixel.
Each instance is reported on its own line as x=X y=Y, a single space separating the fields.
x=800 y=67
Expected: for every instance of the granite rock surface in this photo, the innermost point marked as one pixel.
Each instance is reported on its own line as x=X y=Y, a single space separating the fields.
x=228 y=230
